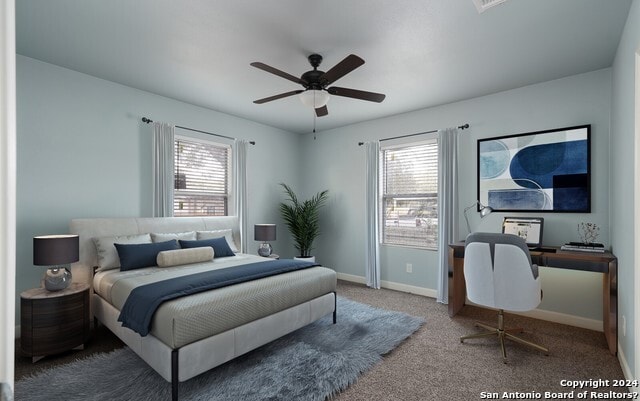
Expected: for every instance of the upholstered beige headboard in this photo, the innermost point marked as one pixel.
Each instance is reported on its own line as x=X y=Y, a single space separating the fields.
x=87 y=229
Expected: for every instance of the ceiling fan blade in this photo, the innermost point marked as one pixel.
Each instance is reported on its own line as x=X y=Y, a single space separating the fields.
x=277 y=72
x=276 y=97
x=356 y=94
x=350 y=63
x=322 y=111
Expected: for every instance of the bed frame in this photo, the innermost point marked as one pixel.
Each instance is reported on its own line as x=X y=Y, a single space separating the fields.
x=184 y=363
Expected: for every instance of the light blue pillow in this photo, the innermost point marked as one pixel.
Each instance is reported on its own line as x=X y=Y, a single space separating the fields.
x=136 y=256
x=220 y=246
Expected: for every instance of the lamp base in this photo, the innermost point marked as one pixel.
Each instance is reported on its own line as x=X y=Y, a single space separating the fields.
x=56 y=279
x=264 y=250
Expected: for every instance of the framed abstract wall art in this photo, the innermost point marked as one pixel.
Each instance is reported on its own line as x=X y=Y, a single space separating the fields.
x=544 y=171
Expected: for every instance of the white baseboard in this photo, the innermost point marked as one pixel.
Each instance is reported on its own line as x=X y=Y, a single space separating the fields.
x=352 y=278
x=563 y=318
x=411 y=289
x=541 y=314
x=626 y=370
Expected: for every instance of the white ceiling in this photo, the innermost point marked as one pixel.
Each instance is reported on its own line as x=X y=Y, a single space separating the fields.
x=420 y=53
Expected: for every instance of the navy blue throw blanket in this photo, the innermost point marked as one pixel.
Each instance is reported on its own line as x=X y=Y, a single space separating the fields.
x=143 y=301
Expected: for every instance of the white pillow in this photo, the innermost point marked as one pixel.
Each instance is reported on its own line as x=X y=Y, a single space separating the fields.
x=107 y=253
x=162 y=237
x=227 y=234
x=184 y=256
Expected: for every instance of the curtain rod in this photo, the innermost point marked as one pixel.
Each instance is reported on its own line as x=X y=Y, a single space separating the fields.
x=463 y=126
x=147 y=120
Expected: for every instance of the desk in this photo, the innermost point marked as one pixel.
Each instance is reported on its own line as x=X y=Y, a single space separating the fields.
x=605 y=263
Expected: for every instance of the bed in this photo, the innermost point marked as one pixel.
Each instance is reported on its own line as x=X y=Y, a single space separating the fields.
x=193 y=334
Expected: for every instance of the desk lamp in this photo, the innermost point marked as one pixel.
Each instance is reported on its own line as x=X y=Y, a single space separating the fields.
x=484 y=212
x=264 y=233
x=54 y=251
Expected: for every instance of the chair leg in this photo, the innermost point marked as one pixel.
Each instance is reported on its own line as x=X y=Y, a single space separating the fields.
x=503 y=334
x=502 y=347
x=486 y=326
x=479 y=335
x=491 y=331
x=527 y=343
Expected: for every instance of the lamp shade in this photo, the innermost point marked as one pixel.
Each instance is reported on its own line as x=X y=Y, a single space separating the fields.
x=314 y=98
x=264 y=232
x=51 y=250
x=485 y=210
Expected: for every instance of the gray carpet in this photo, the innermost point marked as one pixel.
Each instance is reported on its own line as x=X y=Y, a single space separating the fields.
x=432 y=365
x=310 y=364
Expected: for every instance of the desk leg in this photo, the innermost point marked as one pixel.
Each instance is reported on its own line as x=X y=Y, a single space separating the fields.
x=610 y=306
x=457 y=290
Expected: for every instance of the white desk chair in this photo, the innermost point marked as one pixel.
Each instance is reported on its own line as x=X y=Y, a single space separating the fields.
x=499 y=274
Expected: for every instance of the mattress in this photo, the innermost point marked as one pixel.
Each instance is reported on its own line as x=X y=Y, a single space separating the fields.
x=185 y=320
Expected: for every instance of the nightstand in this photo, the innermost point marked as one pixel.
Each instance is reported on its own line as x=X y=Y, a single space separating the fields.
x=54 y=322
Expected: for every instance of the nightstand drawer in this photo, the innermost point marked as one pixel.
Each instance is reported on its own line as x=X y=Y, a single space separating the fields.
x=55 y=339
x=54 y=317
x=54 y=322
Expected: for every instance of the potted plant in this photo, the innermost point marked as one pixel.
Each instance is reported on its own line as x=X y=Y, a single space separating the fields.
x=302 y=219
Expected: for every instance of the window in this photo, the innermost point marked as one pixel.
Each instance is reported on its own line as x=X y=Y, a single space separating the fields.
x=409 y=188
x=202 y=177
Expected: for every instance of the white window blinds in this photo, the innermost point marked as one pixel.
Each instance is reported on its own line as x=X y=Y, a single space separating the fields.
x=201 y=184
x=409 y=190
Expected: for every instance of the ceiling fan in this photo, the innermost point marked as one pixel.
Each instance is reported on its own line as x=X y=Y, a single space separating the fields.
x=315 y=82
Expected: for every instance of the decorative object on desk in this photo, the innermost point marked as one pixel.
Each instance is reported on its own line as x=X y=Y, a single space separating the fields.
x=264 y=233
x=303 y=219
x=583 y=247
x=588 y=232
x=484 y=212
x=536 y=171
x=54 y=251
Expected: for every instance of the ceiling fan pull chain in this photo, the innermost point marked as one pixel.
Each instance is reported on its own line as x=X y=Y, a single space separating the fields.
x=314 y=124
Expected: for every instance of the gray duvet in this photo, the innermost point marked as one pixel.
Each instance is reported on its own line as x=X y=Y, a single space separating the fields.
x=185 y=320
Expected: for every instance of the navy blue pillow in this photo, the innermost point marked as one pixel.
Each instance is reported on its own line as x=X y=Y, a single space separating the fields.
x=220 y=246
x=136 y=256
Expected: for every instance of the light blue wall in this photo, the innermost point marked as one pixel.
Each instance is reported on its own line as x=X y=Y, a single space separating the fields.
x=623 y=177
x=84 y=152
x=336 y=162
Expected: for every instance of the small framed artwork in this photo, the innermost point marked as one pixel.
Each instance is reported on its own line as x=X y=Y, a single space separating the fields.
x=544 y=171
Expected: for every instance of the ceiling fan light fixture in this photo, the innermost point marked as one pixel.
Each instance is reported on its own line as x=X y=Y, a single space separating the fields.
x=314 y=98
x=316 y=84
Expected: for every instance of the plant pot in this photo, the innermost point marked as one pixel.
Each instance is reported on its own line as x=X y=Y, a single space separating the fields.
x=311 y=259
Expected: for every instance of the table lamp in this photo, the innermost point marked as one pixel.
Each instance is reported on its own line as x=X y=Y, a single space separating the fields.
x=264 y=233
x=484 y=212
x=54 y=251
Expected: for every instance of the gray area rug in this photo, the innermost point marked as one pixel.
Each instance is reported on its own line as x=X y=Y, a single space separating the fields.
x=309 y=364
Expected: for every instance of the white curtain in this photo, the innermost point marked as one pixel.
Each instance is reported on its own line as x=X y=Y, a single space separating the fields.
x=163 y=151
x=447 y=205
x=240 y=148
x=372 y=255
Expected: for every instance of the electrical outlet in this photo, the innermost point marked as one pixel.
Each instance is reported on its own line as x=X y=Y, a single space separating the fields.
x=409 y=268
x=624 y=326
